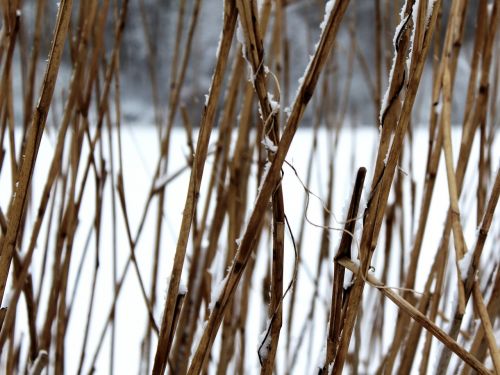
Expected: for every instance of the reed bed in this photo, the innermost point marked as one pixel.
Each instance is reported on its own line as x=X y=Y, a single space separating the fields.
x=227 y=249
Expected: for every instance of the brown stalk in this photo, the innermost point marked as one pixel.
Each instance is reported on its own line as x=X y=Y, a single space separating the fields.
x=344 y=250
x=247 y=244
x=479 y=346
x=381 y=183
x=472 y=122
x=487 y=326
x=35 y=51
x=254 y=51
x=167 y=329
x=69 y=218
x=470 y=280
x=482 y=235
x=41 y=361
x=229 y=330
x=458 y=235
x=19 y=199
x=449 y=55
x=240 y=169
x=53 y=173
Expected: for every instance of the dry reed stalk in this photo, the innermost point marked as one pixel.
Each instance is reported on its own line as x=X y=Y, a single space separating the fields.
x=27 y=289
x=56 y=312
x=344 y=250
x=54 y=219
x=450 y=55
x=472 y=122
x=233 y=195
x=247 y=243
x=487 y=327
x=53 y=173
x=35 y=51
x=383 y=175
x=478 y=347
x=278 y=42
x=6 y=73
x=482 y=235
x=6 y=101
x=68 y=219
x=419 y=317
x=458 y=235
x=18 y=202
x=470 y=280
x=378 y=54
x=236 y=197
x=41 y=361
x=167 y=330
x=254 y=52
x=217 y=178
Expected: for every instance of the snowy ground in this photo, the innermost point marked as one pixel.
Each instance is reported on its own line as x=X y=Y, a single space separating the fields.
x=140 y=151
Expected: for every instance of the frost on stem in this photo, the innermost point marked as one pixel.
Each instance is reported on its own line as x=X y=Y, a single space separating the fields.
x=464 y=264
x=267 y=166
x=385 y=99
x=430 y=9
x=438 y=108
x=328 y=10
x=183 y=288
x=348 y=279
x=269 y=144
x=301 y=79
x=386 y=159
x=217 y=292
x=241 y=39
x=399 y=30
x=264 y=342
x=414 y=14
x=275 y=105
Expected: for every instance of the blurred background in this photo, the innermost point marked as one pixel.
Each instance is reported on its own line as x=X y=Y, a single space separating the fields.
x=151 y=31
